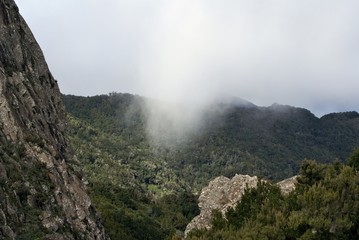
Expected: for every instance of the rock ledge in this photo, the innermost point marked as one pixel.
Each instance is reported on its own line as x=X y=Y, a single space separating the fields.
x=223 y=193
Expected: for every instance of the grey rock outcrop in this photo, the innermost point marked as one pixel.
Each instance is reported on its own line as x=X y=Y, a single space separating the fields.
x=41 y=195
x=223 y=193
x=287 y=185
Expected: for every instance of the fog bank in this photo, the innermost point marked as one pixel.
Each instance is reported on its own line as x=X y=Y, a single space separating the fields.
x=301 y=53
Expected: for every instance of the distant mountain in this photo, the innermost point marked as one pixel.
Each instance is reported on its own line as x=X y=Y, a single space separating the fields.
x=108 y=132
x=235 y=101
x=265 y=141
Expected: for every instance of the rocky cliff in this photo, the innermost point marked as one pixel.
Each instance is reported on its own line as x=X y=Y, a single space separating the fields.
x=41 y=193
x=223 y=193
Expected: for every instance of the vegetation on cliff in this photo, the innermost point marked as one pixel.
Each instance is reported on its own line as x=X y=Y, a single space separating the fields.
x=41 y=195
x=324 y=205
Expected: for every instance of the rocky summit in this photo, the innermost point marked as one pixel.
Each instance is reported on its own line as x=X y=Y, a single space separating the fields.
x=42 y=195
x=223 y=193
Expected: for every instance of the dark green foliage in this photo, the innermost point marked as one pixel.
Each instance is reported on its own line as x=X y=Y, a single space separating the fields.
x=353 y=160
x=122 y=216
x=176 y=210
x=324 y=207
x=311 y=172
x=126 y=214
x=218 y=222
x=251 y=203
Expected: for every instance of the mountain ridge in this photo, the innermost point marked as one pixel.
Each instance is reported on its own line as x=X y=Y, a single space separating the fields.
x=282 y=133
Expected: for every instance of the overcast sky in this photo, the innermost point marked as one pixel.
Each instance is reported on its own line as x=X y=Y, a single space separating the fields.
x=303 y=53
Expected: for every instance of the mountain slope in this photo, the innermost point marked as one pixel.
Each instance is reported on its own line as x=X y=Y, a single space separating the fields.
x=137 y=194
x=41 y=195
x=265 y=141
x=155 y=182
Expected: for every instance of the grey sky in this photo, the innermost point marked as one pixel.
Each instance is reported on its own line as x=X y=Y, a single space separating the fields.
x=303 y=53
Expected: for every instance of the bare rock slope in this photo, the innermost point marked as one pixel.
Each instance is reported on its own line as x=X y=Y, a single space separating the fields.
x=223 y=193
x=42 y=196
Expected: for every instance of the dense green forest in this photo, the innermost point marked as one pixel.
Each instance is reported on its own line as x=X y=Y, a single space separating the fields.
x=138 y=196
x=148 y=191
x=264 y=141
x=324 y=205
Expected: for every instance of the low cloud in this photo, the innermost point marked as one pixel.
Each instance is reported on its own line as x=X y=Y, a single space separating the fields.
x=192 y=53
x=296 y=53
x=291 y=52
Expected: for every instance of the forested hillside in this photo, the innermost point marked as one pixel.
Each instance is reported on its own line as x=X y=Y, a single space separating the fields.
x=265 y=141
x=137 y=194
x=145 y=189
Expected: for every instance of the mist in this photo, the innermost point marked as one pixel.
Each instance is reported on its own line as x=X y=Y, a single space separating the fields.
x=299 y=53
x=191 y=54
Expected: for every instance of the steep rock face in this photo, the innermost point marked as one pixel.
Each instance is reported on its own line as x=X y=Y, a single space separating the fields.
x=41 y=195
x=223 y=193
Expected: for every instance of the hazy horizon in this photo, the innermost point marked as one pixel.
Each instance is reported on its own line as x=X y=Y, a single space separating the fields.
x=303 y=54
